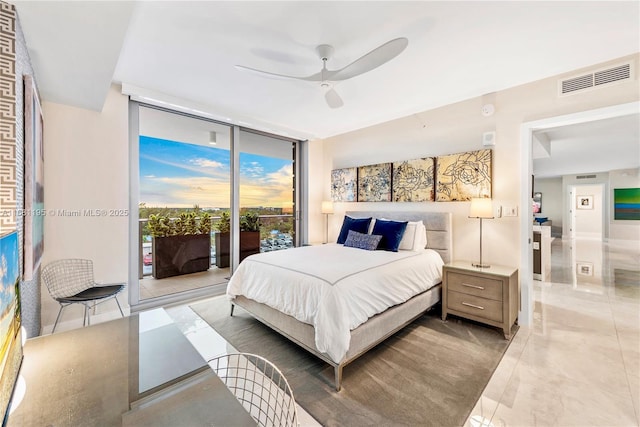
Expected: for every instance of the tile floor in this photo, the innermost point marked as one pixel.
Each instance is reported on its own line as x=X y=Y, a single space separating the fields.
x=579 y=363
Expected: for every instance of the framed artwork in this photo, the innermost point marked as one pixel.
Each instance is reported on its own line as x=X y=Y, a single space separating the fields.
x=10 y=334
x=413 y=180
x=374 y=183
x=584 y=268
x=626 y=204
x=584 y=202
x=459 y=177
x=344 y=184
x=33 y=179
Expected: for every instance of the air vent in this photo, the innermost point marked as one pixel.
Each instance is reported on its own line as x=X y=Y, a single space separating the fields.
x=612 y=75
x=577 y=83
x=596 y=79
x=585 y=176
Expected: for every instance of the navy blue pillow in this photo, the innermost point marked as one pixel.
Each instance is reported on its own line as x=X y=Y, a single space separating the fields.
x=391 y=232
x=368 y=242
x=361 y=225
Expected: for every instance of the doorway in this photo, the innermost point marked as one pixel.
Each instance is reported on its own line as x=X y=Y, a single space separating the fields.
x=526 y=179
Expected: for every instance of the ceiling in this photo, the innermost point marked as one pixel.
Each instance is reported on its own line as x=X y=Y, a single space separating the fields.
x=591 y=147
x=184 y=53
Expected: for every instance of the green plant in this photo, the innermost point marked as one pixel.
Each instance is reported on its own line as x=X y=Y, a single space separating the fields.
x=186 y=224
x=224 y=223
x=250 y=222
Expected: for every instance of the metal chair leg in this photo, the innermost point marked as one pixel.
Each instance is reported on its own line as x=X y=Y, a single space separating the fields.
x=87 y=319
x=232 y=307
x=119 y=308
x=57 y=318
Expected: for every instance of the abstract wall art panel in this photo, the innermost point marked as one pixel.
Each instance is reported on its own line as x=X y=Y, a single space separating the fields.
x=374 y=183
x=344 y=184
x=413 y=180
x=459 y=177
x=626 y=204
x=33 y=179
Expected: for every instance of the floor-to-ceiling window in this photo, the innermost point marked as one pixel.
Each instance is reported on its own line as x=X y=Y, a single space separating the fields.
x=184 y=167
x=267 y=194
x=204 y=194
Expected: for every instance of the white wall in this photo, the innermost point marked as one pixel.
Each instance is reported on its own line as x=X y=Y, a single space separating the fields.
x=625 y=233
x=569 y=203
x=459 y=127
x=86 y=168
x=588 y=223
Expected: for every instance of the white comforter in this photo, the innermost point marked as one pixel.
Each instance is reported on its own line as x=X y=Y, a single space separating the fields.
x=334 y=288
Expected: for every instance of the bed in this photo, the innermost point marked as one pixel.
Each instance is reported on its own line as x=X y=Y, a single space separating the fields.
x=345 y=326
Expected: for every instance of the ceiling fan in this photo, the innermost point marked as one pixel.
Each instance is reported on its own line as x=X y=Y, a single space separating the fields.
x=365 y=63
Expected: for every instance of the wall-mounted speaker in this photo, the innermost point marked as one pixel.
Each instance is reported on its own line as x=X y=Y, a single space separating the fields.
x=489 y=138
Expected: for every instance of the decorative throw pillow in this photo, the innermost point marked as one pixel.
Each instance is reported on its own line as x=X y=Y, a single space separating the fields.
x=361 y=225
x=414 y=238
x=368 y=242
x=391 y=232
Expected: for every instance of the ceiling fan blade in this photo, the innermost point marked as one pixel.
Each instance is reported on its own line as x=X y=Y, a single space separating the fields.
x=313 y=78
x=371 y=60
x=333 y=99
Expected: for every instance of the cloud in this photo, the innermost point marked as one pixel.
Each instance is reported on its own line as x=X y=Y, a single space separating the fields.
x=206 y=163
x=192 y=168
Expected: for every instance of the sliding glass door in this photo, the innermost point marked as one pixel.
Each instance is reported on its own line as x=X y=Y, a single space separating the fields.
x=267 y=193
x=184 y=192
x=204 y=196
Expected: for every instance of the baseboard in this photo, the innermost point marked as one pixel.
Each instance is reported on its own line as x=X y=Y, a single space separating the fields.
x=76 y=323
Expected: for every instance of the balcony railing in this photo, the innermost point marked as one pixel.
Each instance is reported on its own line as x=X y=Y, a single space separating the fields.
x=274 y=241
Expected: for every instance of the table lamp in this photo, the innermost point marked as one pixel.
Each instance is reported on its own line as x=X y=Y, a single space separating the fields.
x=481 y=208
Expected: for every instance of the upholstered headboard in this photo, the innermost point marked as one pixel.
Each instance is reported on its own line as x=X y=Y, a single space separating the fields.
x=438 y=224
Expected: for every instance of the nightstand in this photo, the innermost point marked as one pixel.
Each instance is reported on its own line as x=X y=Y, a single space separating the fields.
x=487 y=295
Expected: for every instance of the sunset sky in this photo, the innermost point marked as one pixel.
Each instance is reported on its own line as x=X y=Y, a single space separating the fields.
x=176 y=174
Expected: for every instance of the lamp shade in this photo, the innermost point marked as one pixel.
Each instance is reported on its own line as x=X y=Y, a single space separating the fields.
x=481 y=208
x=327 y=207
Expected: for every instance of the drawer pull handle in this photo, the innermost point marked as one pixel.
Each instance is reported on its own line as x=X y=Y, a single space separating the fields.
x=472 y=305
x=473 y=286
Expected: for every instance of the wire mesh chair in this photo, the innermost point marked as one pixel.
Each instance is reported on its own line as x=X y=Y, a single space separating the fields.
x=70 y=281
x=259 y=386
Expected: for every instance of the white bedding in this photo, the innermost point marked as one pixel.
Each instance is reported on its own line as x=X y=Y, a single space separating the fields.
x=333 y=287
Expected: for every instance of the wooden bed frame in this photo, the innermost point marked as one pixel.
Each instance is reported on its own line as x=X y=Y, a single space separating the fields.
x=379 y=327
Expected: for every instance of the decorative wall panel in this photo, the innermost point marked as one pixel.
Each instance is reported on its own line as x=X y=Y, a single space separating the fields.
x=8 y=124
x=461 y=176
x=413 y=180
x=344 y=184
x=374 y=183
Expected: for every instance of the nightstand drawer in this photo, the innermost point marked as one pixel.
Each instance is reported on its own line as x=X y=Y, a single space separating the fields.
x=479 y=286
x=482 y=307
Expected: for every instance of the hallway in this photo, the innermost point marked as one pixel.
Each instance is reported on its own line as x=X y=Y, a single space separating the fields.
x=579 y=363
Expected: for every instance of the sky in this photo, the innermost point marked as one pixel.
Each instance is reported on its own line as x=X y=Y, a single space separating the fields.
x=177 y=174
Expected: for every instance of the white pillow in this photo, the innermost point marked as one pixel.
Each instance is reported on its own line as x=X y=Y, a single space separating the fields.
x=414 y=238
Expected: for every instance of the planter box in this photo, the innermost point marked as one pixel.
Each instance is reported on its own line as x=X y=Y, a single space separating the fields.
x=249 y=245
x=176 y=255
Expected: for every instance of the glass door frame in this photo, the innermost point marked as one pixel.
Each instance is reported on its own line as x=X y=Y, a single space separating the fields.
x=134 y=253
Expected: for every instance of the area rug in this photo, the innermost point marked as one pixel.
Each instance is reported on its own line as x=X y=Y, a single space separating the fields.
x=431 y=373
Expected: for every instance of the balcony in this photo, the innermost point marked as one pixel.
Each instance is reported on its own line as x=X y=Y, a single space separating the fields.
x=271 y=240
